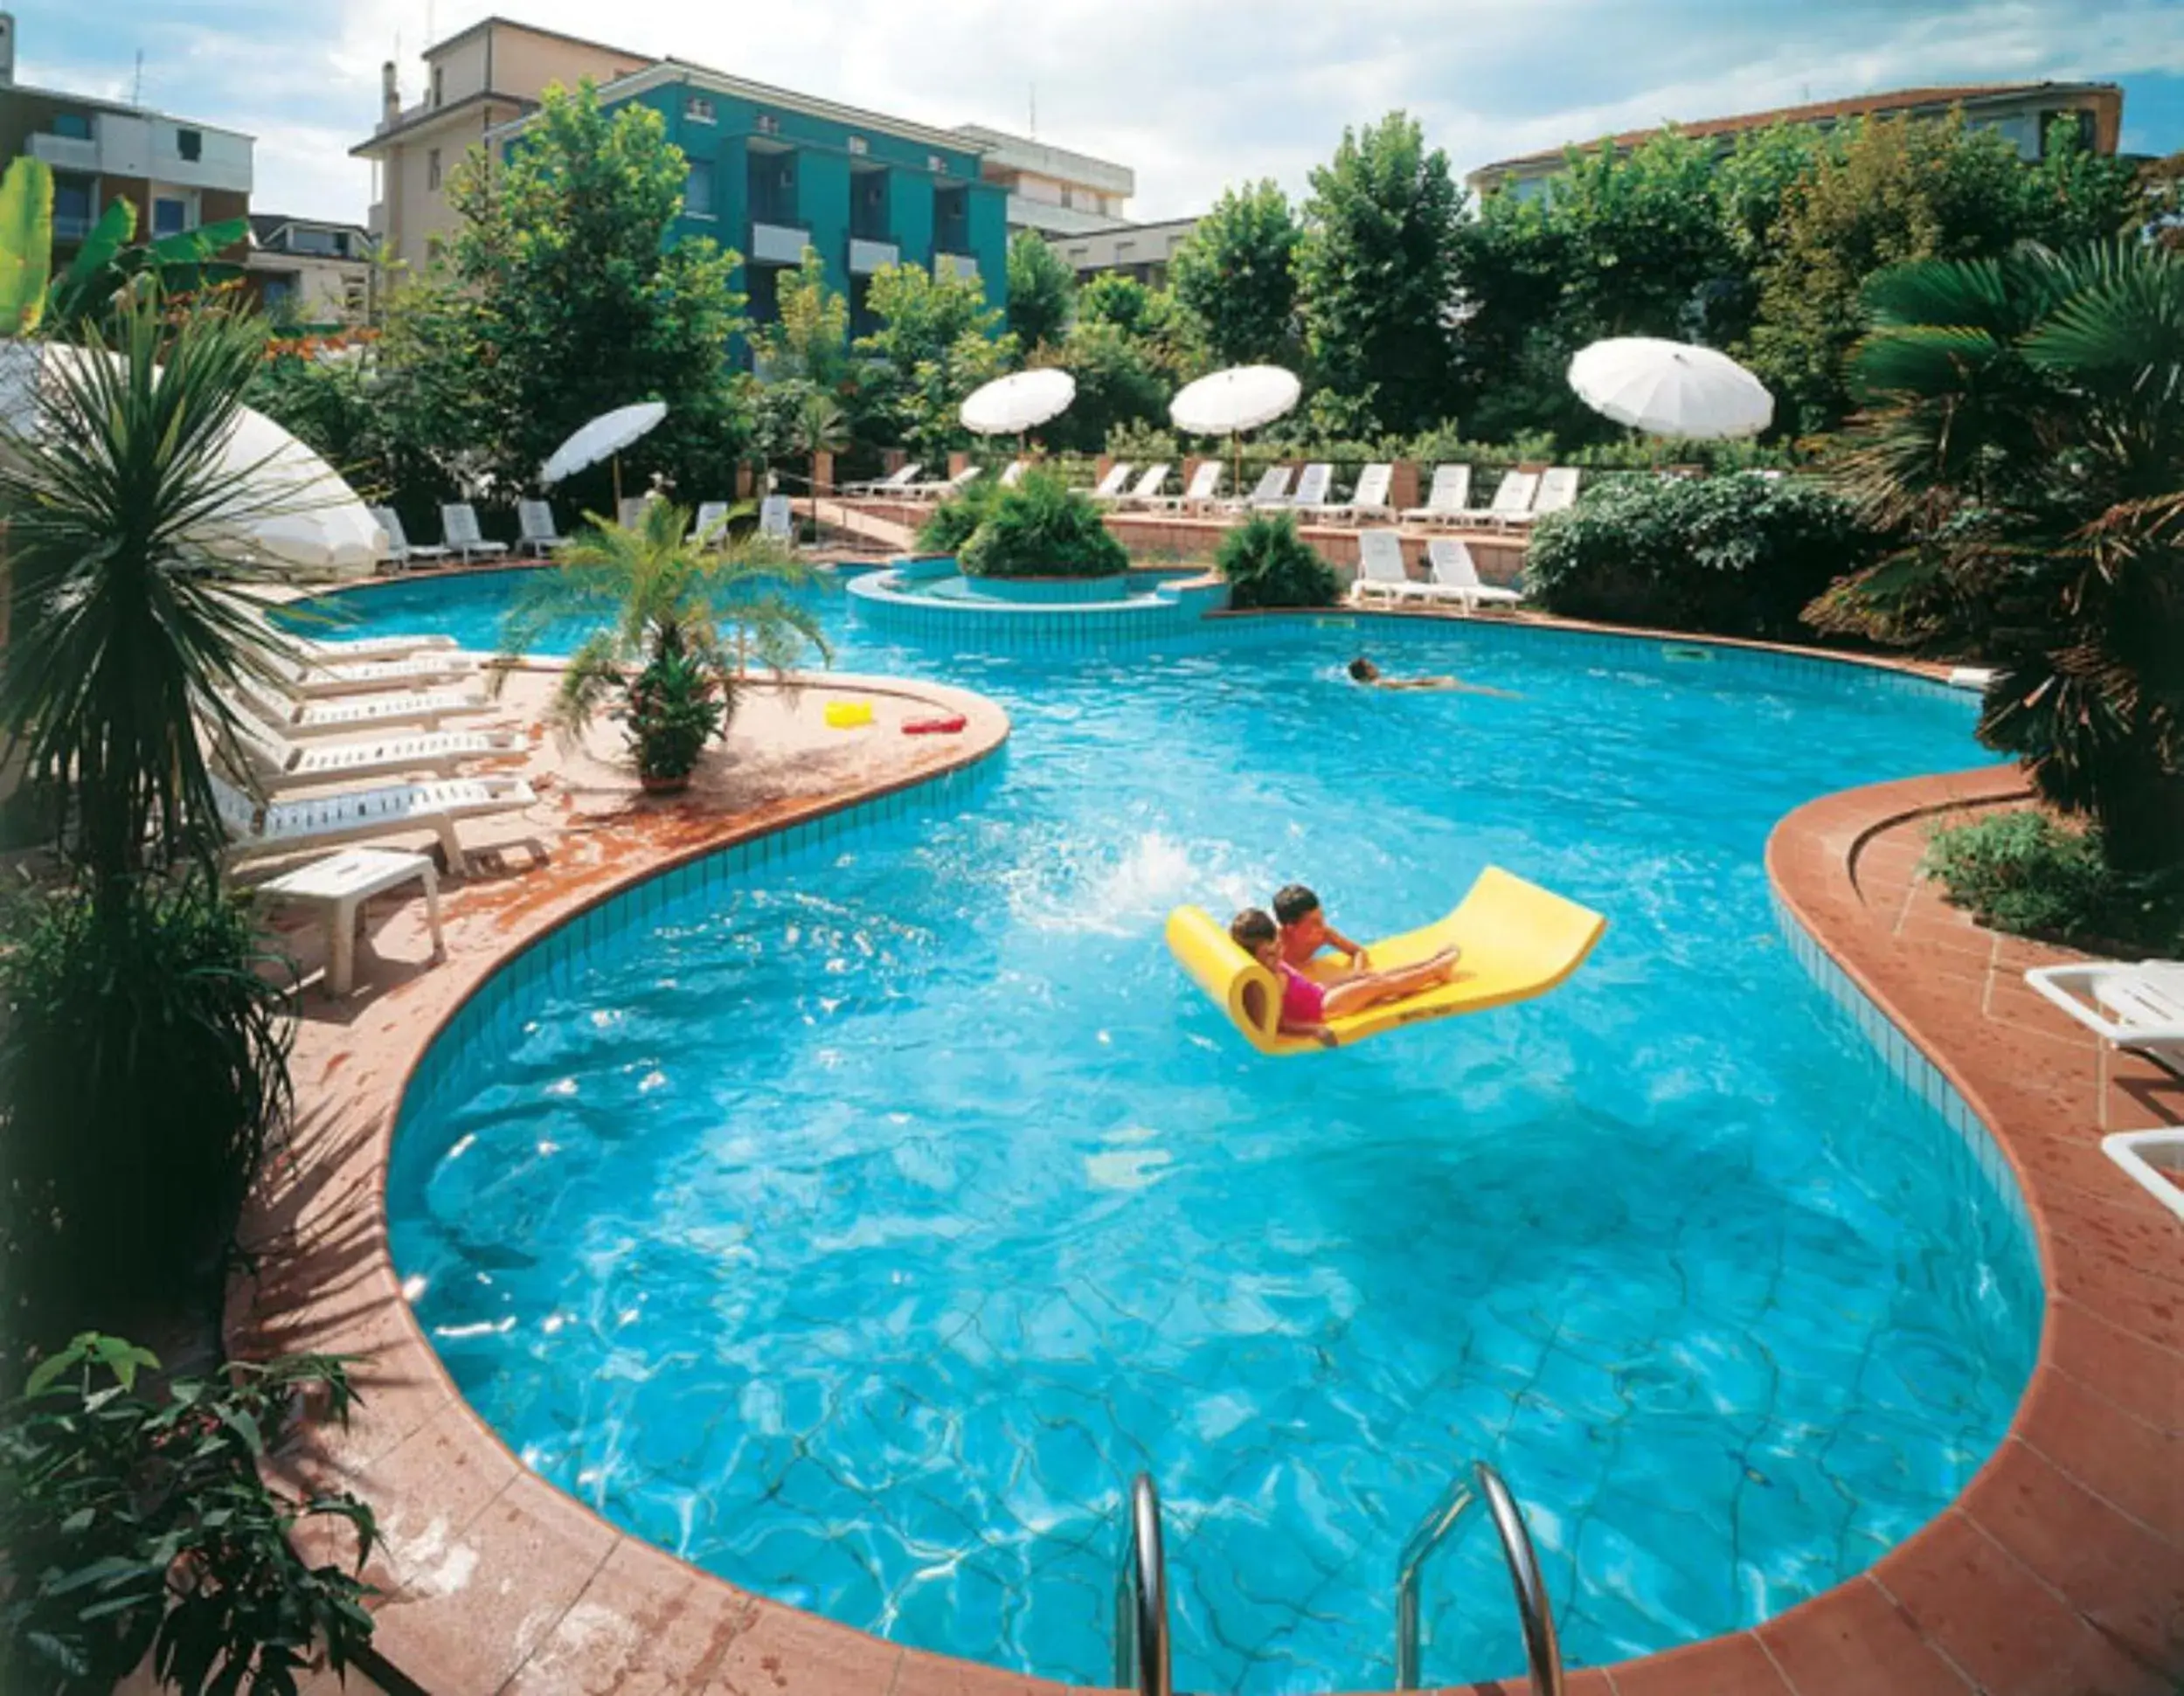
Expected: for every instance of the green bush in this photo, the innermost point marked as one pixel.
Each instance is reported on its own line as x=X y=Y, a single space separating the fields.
x=674 y=709
x=135 y=1526
x=952 y=523
x=1267 y=563
x=1042 y=527
x=2025 y=873
x=144 y=1074
x=1734 y=556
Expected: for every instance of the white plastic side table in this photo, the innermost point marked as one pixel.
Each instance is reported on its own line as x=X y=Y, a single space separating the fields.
x=337 y=887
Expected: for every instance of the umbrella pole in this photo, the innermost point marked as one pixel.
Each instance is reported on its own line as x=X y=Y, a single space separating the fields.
x=617 y=460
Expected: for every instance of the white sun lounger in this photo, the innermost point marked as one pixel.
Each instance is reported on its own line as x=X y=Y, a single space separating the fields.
x=1512 y=501
x=310 y=678
x=942 y=487
x=1014 y=475
x=1270 y=491
x=356 y=714
x=2138 y=1007
x=893 y=483
x=276 y=763
x=1368 y=500
x=1557 y=492
x=1110 y=487
x=1448 y=501
x=1453 y=575
x=256 y=829
x=1381 y=575
x=403 y=555
x=534 y=522
x=1203 y=490
x=776 y=520
x=459 y=528
x=365 y=649
x=1313 y=484
x=1147 y=490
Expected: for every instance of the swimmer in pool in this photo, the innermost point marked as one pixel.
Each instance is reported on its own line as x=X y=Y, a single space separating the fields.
x=1305 y=1006
x=1364 y=671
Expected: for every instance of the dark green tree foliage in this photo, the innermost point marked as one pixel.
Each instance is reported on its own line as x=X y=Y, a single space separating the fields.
x=1235 y=277
x=1377 y=273
x=582 y=305
x=954 y=521
x=136 y=1524
x=1267 y=563
x=1042 y=290
x=2023 y=420
x=1736 y=556
x=938 y=340
x=1120 y=381
x=1042 y=527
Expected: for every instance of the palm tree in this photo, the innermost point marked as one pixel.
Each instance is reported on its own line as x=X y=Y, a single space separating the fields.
x=2023 y=421
x=821 y=427
x=685 y=621
x=131 y=619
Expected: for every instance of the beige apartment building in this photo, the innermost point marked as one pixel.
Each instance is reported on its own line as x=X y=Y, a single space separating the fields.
x=1052 y=190
x=491 y=73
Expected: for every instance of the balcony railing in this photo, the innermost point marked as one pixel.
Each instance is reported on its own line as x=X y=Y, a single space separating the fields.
x=955 y=264
x=66 y=152
x=866 y=257
x=778 y=244
x=71 y=226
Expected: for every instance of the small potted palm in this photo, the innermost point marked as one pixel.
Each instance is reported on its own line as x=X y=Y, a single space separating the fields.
x=682 y=625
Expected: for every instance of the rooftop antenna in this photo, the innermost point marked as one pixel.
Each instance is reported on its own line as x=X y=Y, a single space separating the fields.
x=136 y=88
x=1035 y=111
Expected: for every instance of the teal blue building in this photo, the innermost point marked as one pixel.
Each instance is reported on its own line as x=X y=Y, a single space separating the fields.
x=774 y=172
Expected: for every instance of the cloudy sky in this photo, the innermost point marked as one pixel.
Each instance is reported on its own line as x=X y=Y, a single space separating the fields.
x=1193 y=94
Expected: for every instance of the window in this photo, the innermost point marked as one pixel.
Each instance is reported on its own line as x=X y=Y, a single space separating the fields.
x=936 y=164
x=698 y=109
x=766 y=124
x=71 y=208
x=440 y=83
x=432 y=168
x=169 y=218
x=74 y=125
x=859 y=147
x=697 y=189
x=189 y=143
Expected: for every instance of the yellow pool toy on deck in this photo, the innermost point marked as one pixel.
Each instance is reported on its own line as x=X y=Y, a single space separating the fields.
x=1519 y=941
x=849 y=714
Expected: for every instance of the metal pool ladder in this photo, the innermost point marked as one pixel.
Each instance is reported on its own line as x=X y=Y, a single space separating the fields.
x=1543 y=1651
x=1142 y=1657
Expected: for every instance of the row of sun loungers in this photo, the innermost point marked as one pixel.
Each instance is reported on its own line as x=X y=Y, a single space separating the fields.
x=1452 y=575
x=540 y=536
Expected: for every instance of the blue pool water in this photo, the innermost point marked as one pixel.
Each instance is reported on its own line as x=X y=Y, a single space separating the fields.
x=856 y=1232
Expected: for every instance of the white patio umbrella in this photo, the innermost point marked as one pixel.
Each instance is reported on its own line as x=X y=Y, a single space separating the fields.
x=1012 y=406
x=1233 y=401
x=1671 y=388
x=604 y=438
x=294 y=510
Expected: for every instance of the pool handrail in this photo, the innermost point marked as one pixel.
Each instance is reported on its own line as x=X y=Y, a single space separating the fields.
x=1141 y=1646
x=1543 y=1649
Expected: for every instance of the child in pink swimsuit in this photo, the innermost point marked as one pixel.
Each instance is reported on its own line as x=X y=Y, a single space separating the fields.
x=1306 y=1006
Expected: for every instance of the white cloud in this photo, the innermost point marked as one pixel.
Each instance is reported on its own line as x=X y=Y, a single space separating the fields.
x=1193 y=94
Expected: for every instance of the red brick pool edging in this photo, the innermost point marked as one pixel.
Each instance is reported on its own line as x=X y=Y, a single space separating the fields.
x=2060 y=1570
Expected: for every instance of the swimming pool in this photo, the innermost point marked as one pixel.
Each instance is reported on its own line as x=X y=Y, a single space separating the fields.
x=856 y=1230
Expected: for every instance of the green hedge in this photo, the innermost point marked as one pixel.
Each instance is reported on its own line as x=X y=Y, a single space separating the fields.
x=1041 y=528
x=1267 y=563
x=1734 y=556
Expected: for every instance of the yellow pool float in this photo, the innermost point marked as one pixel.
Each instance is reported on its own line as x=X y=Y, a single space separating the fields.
x=848 y=715
x=1519 y=941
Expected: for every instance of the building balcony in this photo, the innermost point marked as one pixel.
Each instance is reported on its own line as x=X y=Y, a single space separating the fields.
x=1047 y=217
x=866 y=257
x=66 y=152
x=955 y=264
x=777 y=244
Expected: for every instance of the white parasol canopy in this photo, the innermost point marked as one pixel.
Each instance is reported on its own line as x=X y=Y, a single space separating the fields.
x=1671 y=388
x=1242 y=398
x=294 y=509
x=603 y=438
x=1010 y=406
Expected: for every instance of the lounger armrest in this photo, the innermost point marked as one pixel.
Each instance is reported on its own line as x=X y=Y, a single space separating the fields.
x=2054 y=984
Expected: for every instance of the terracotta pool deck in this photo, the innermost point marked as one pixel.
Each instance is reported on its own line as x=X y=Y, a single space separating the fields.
x=2060 y=1570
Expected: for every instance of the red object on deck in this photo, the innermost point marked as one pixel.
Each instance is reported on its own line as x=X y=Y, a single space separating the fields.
x=935 y=726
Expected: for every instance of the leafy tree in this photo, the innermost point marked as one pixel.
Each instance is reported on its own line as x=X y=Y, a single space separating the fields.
x=1120 y=380
x=821 y=426
x=139 y=1526
x=1235 y=277
x=2021 y=419
x=1124 y=303
x=2074 y=196
x=936 y=341
x=1042 y=290
x=580 y=302
x=810 y=341
x=1376 y=271
x=1894 y=191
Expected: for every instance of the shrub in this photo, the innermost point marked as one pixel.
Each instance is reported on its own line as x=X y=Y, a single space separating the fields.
x=144 y=1074
x=1042 y=527
x=674 y=709
x=1734 y=556
x=2025 y=873
x=949 y=525
x=134 y=1527
x=1267 y=563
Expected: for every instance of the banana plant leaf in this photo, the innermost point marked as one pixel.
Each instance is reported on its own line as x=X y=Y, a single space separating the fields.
x=26 y=244
x=198 y=245
x=75 y=290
